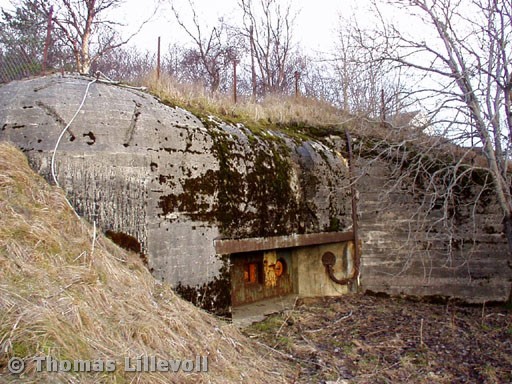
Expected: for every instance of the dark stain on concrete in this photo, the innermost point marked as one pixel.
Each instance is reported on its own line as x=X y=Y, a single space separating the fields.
x=133 y=124
x=92 y=138
x=257 y=202
x=52 y=112
x=214 y=296
x=127 y=242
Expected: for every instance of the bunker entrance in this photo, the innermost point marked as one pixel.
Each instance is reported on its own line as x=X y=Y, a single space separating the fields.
x=275 y=267
x=260 y=275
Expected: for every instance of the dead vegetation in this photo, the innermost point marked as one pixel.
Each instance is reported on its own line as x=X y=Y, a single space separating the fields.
x=273 y=111
x=312 y=118
x=365 y=339
x=65 y=295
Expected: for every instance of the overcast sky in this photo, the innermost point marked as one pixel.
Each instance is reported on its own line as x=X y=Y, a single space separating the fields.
x=314 y=27
x=315 y=24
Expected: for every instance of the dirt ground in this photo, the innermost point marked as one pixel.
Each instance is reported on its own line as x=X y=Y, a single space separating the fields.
x=367 y=339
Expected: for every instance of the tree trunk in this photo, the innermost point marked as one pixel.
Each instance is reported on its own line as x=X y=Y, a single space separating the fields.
x=507 y=228
x=253 y=67
x=84 y=54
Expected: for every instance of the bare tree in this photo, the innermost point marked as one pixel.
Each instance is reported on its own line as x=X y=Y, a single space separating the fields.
x=126 y=63
x=213 y=51
x=268 y=28
x=463 y=63
x=86 y=28
x=366 y=84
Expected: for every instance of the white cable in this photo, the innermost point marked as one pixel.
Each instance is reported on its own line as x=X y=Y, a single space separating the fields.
x=54 y=175
x=60 y=138
x=64 y=131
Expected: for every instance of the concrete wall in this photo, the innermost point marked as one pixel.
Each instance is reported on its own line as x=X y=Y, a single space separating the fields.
x=311 y=279
x=176 y=182
x=172 y=180
x=409 y=250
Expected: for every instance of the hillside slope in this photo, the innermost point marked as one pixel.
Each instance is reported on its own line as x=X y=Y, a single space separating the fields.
x=66 y=296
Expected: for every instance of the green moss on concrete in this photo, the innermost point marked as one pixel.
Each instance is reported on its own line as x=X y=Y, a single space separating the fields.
x=257 y=201
x=298 y=131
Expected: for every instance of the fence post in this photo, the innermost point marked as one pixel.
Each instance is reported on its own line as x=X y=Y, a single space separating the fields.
x=355 y=216
x=253 y=66
x=235 y=62
x=158 y=61
x=48 y=39
x=382 y=109
x=297 y=76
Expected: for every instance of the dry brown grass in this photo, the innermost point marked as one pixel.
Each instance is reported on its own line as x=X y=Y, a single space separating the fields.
x=61 y=297
x=308 y=117
x=272 y=111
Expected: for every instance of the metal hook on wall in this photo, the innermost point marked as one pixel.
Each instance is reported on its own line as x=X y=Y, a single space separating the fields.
x=329 y=260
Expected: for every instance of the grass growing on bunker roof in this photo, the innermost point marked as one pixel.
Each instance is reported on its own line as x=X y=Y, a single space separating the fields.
x=307 y=118
x=302 y=115
x=303 y=118
x=60 y=296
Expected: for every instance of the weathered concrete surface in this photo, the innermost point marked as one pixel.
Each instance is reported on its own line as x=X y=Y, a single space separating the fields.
x=171 y=180
x=247 y=314
x=176 y=183
x=408 y=249
x=312 y=279
x=278 y=242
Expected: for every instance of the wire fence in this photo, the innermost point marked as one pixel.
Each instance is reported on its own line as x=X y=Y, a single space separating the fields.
x=18 y=62
x=32 y=52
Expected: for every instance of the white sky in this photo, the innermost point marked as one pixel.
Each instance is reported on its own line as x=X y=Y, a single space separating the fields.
x=314 y=27
x=315 y=24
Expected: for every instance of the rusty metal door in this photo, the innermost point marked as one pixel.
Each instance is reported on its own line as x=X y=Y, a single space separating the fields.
x=260 y=275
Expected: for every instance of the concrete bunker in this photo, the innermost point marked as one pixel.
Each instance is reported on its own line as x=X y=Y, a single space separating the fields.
x=264 y=268
x=175 y=182
x=185 y=187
